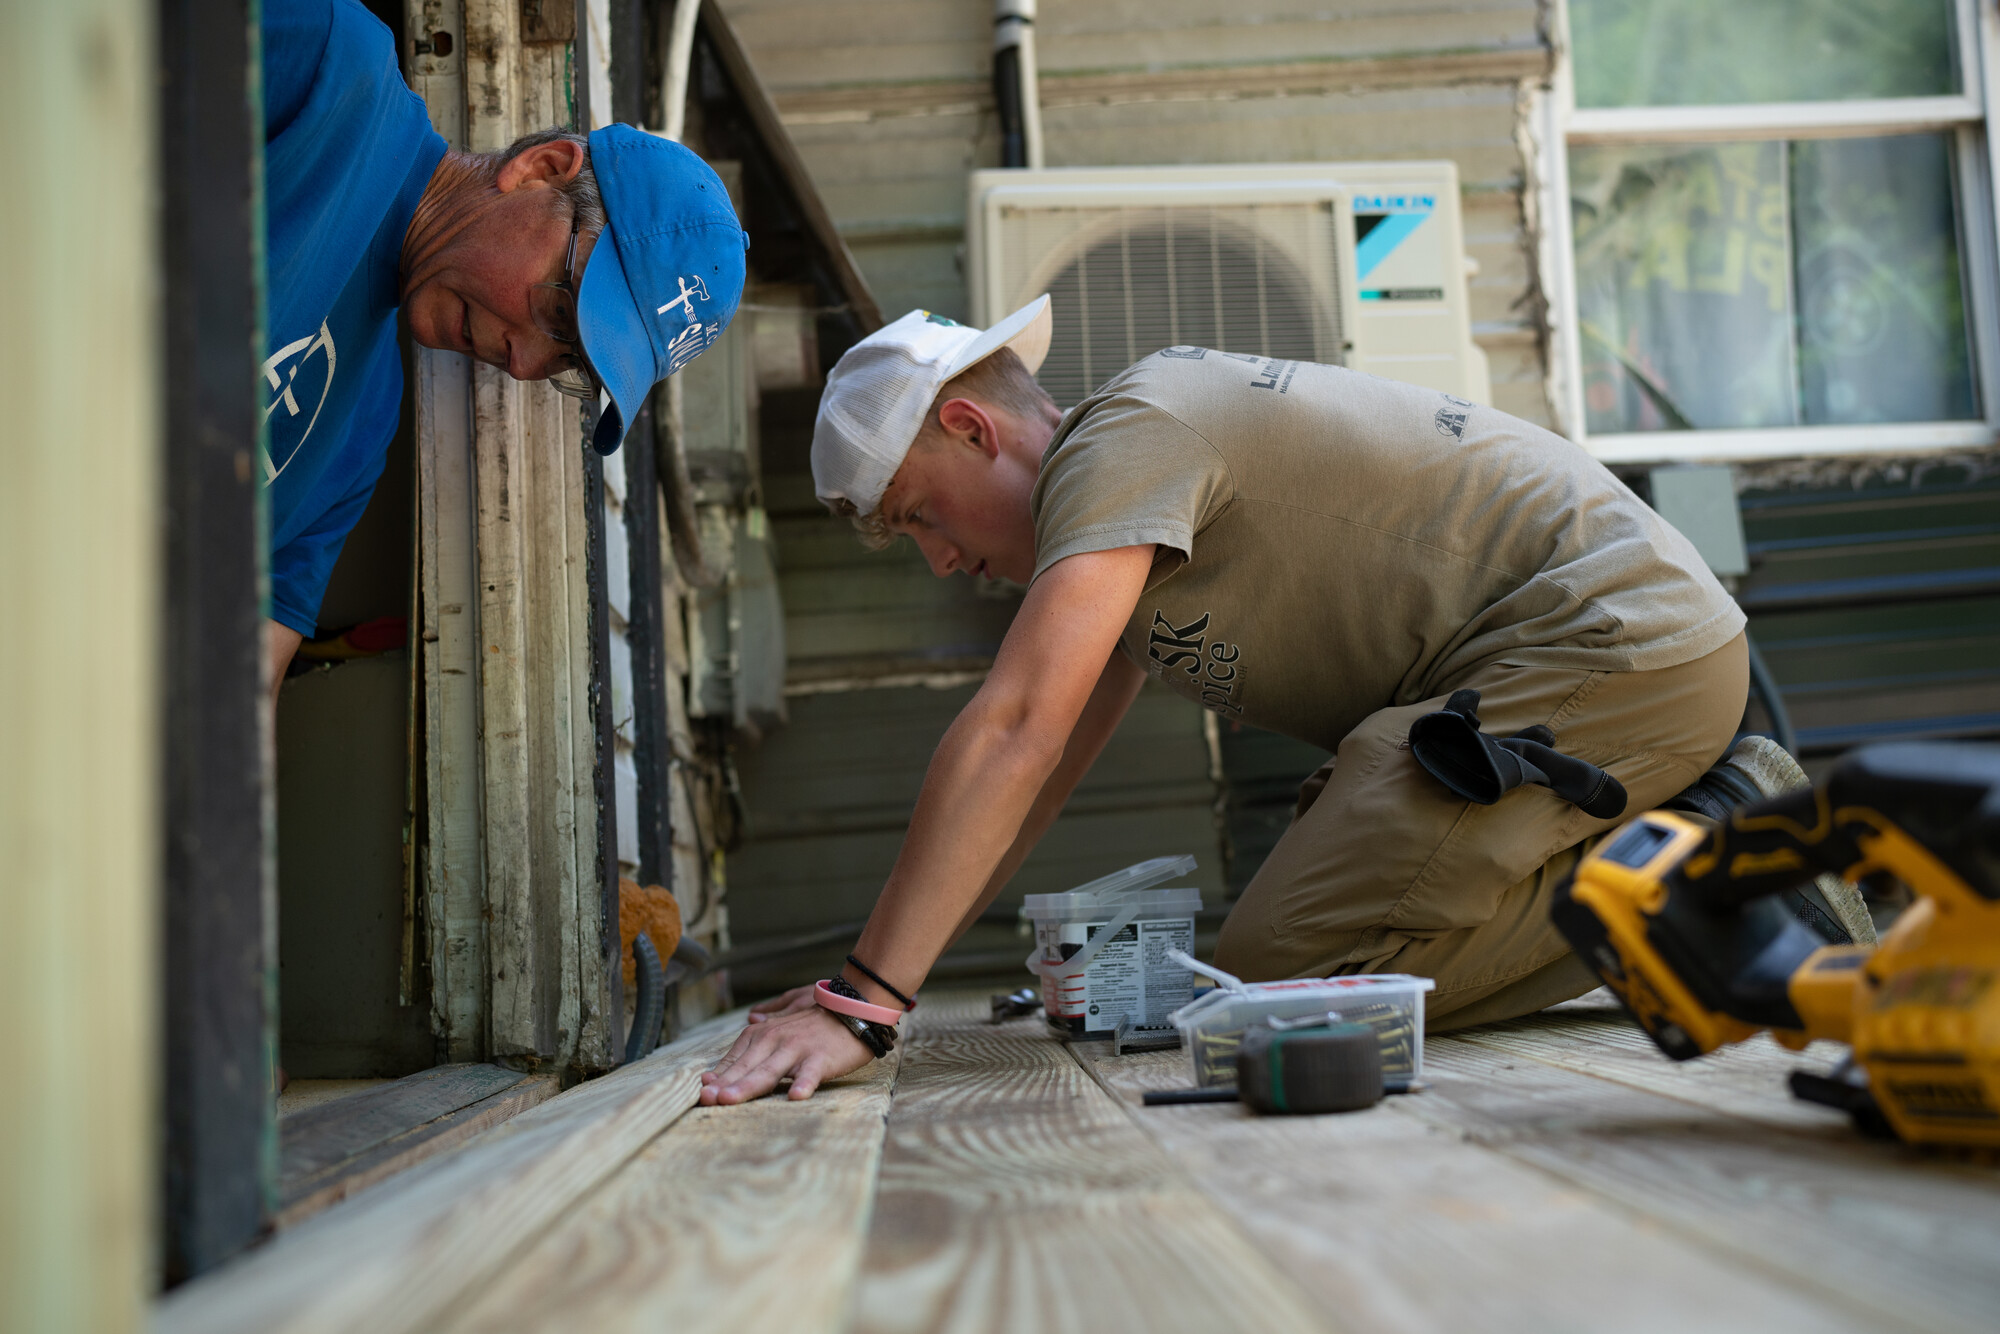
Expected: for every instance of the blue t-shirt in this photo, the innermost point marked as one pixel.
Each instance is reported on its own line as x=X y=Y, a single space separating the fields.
x=348 y=150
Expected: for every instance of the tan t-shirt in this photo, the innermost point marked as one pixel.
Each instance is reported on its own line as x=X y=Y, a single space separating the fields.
x=1332 y=543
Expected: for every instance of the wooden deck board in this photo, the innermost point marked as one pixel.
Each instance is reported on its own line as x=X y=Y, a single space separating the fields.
x=1402 y=1225
x=697 y=1222
x=1016 y=1195
x=1747 y=1080
x=1902 y=1238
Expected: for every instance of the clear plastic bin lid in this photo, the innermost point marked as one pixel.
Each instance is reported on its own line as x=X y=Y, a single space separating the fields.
x=1117 y=887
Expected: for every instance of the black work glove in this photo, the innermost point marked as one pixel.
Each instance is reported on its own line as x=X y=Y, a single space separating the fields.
x=1484 y=768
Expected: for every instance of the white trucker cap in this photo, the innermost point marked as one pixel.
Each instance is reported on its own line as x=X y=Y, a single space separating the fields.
x=879 y=393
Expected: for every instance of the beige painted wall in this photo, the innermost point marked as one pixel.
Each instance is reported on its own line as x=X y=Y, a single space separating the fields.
x=889 y=102
x=79 y=552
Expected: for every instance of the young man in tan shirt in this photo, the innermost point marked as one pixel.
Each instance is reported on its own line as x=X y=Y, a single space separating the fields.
x=1303 y=548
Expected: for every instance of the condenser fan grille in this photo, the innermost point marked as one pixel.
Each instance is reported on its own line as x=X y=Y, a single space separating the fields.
x=1126 y=282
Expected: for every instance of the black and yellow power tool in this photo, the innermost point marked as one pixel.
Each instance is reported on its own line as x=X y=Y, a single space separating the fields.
x=1681 y=922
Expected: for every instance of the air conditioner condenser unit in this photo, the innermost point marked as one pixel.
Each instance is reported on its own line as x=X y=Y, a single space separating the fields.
x=1353 y=264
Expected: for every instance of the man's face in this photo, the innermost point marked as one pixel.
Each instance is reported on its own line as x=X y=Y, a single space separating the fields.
x=963 y=497
x=470 y=292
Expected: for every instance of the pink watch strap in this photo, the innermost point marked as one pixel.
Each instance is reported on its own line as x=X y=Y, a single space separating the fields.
x=829 y=999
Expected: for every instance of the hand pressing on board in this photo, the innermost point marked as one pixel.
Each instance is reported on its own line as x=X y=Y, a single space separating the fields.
x=798 y=998
x=804 y=1044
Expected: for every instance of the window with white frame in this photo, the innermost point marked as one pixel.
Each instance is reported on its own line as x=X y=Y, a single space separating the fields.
x=1775 y=226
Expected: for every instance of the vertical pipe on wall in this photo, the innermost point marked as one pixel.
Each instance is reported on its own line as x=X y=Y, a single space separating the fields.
x=1017 y=83
x=674 y=68
x=79 y=687
x=668 y=399
x=652 y=755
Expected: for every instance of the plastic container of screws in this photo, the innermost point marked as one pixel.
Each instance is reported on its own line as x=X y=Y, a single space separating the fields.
x=1212 y=1024
x=1102 y=950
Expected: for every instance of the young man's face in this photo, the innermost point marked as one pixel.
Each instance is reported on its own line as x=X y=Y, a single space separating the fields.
x=962 y=497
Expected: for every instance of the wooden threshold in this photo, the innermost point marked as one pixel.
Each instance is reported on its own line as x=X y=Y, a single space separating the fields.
x=329 y=1151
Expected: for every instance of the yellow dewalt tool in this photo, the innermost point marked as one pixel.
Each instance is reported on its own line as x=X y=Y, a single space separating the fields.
x=1680 y=921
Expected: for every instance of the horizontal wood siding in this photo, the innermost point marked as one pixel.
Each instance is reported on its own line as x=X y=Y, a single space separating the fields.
x=830 y=797
x=1147 y=84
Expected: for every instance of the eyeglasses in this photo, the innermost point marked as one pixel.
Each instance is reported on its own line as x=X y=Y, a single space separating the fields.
x=553 y=308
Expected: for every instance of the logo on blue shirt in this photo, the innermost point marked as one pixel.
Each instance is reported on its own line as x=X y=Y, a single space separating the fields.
x=293 y=377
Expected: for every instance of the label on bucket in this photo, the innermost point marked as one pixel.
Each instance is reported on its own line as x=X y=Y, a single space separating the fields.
x=1129 y=977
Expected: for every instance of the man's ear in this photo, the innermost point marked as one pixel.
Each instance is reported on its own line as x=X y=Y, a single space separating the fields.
x=544 y=165
x=970 y=422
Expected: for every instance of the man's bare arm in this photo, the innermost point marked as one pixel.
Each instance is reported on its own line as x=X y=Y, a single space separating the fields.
x=997 y=755
x=993 y=764
x=1109 y=702
x=1116 y=688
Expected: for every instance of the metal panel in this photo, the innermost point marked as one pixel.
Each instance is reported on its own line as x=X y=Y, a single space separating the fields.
x=1878 y=607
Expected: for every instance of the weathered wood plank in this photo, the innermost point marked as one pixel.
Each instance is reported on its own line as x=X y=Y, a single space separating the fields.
x=405 y=1255
x=809 y=45
x=1401 y=1225
x=322 y=1136
x=1746 y=1080
x=1016 y=1195
x=454 y=890
x=305 y=1194
x=1900 y=1238
x=705 y=1217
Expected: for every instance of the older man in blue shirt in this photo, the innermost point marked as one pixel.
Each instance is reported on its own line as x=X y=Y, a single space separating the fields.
x=603 y=264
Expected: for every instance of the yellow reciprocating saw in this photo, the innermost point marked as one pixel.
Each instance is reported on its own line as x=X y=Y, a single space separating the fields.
x=1680 y=921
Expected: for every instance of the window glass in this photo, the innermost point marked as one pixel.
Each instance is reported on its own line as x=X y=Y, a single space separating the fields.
x=1699 y=52
x=1769 y=284
x=1882 y=330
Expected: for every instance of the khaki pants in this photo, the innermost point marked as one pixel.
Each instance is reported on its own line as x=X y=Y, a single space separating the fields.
x=1385 y=871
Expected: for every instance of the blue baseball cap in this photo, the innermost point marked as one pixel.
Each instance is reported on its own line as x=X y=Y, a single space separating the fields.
x=666 y=274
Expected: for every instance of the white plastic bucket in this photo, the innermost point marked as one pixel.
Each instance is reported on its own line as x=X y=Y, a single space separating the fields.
x=1101 y=949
